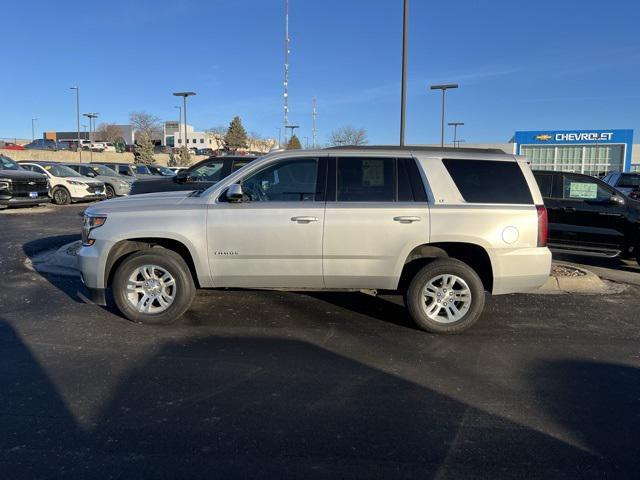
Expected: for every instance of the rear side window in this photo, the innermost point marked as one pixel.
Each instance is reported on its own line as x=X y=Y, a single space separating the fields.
x=488 y=181
x=366 y=180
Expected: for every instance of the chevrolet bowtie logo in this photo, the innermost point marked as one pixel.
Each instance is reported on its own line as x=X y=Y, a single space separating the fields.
x=544 y=137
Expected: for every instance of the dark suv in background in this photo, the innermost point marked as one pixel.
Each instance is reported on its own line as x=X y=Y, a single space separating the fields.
x=589 y=217
x=20 y=187
x=199 y=176
x=627 y=183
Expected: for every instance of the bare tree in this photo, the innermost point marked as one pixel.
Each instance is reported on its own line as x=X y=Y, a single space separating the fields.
x=146 y=123
x=109 y=132
x=218 y=130
x=348 y=135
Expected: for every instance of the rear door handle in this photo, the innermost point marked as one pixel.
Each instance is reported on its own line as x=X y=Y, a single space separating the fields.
x=304 y=219
x=406 y=219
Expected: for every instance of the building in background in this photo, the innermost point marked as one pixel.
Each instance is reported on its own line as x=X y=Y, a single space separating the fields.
x=173 y=136
x=593 y=152
x=127 y=133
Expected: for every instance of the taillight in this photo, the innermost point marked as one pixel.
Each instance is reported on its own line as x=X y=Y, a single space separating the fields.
x=543 y=225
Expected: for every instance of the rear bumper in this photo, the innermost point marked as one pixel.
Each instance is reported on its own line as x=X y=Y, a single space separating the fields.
x=520 y=270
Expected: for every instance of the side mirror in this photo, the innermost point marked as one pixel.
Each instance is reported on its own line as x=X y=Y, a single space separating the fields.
x=182 y=176
x=234 y=193
x=616 y=200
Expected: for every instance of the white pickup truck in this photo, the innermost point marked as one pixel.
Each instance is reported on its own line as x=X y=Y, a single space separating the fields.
x=441 y=226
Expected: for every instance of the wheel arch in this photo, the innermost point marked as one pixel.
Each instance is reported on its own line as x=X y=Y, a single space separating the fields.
x=474 y=255
x=124 y=248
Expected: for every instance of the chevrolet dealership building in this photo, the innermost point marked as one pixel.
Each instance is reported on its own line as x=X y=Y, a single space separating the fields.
x=585 y=151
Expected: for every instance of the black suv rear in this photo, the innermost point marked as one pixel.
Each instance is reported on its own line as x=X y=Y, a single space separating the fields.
x=587 y=216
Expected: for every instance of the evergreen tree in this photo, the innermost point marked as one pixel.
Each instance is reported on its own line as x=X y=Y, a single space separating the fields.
x=236 y=136
x=294 y=143
x=144 y=150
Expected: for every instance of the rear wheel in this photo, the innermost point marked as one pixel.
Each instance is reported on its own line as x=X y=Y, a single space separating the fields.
x=110 y=191
x=61 y=196
x=445 y=296
x=153 y=286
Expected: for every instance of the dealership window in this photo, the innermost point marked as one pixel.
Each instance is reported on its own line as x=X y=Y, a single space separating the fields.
x=541 y=158
x=179 y=140
x=590 y=159
x=202 y=140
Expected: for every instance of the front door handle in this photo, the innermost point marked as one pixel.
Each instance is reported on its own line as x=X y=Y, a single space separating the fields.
x=406 y=219
x=569 y=209
x=304 y=219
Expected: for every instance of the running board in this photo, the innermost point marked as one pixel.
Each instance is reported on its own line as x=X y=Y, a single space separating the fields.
x=586 y=253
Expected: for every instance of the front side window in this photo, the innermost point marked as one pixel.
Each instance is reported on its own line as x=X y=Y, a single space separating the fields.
x=285 y=181
x=365 y=180
x=585 y=189
x=209 y=172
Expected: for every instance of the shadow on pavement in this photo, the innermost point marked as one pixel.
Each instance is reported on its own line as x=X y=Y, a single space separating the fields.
x=276 y=407
x=615 y=263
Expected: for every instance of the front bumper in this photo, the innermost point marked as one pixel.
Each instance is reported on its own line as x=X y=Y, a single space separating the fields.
x=23 y=201
x=87 y=198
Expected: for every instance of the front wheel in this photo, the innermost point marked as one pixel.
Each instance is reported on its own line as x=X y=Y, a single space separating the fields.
x=153 y=286
x=61 y=196
x=110 y=191
x=445 y=296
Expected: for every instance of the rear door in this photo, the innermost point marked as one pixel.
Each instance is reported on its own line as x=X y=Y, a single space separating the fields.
x=587 y=218
x=376 y=213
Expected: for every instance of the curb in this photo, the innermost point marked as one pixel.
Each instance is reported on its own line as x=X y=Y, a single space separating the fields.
x=587 y=283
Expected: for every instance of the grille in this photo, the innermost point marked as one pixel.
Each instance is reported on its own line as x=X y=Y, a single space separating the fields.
x=22 y=185
x=94 y=188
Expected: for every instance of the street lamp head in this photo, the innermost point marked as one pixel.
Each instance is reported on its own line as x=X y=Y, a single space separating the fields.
x=184 y=94
x=73 y=88
x=456 y=124
x=445 y=86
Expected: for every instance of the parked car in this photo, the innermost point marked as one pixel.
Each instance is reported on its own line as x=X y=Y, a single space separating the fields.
x=205 y=151
x=66 y=184
x=11 y=146
x=177 y=169
x=199 y=176
x=161 y=170
x=109 y=147
x=131 y=170
x=42 y=144
x=115 y=185
x=19 y=187
x=627 y=183
x=441 y=226
x=587 y=216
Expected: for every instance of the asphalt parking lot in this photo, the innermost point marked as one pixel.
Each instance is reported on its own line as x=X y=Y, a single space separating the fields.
x=282 y=384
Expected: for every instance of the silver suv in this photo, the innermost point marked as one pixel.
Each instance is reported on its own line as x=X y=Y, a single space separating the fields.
x=441 y=226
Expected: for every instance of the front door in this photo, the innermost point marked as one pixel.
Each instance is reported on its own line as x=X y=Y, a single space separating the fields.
x=376 y=215
x=273 y=238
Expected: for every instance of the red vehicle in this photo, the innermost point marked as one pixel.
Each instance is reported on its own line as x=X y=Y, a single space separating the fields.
x=12 y=146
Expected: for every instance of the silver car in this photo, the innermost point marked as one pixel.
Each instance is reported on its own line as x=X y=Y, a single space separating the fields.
x=116 y=185
x=440 y=226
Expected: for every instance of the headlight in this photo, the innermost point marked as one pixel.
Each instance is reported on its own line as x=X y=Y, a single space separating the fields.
x=73 y=182
x=90 y=222
x=5 y=183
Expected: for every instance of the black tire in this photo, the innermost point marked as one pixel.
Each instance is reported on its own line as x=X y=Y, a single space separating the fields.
x=174 y=265
x=61 y=196
x=110 y=191
x=416 y=303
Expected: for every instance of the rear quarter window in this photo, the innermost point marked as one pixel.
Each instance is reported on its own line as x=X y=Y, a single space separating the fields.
x=489 y=181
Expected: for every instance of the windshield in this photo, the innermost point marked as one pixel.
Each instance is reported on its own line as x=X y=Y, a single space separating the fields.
x=102 y=170
x=61 y=171
x=629 y=181
x=141 y=169
x=166 y=171
x=7 y=164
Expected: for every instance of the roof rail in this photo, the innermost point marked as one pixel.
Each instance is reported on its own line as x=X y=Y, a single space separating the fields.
x=417 y=148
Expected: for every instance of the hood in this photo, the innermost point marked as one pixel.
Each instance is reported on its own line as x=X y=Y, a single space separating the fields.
x=21 y=174
x=144 y=202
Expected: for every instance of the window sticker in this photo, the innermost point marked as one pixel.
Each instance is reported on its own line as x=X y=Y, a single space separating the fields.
x=587 y=191
x=47 y=167
x=373 y=173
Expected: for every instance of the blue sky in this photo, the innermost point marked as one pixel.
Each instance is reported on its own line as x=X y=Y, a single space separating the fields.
x=548 y=64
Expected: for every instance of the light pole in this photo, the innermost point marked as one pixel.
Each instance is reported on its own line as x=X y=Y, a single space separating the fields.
x=179 y=120
x=279 y=137
x=292 y=127
x=184 y=96
x=405 y=45
x=33 y=129
x=91 y=116
x=77 y=89
x=455 y=126
x=444 y=88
